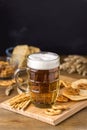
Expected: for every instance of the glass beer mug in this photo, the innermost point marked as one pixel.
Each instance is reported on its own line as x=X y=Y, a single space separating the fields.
x=41 y=78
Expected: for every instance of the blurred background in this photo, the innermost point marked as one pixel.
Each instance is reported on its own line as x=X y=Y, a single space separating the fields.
x=52 y=25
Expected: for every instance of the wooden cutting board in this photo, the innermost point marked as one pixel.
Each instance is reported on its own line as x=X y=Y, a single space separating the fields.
x=39 y=113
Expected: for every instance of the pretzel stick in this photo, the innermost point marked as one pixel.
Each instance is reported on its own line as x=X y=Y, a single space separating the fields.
x=21 y=105
x=18 y=98
x=26 y=105
x=20 y=101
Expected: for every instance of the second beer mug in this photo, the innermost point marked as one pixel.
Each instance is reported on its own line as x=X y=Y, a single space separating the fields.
x=41 y=78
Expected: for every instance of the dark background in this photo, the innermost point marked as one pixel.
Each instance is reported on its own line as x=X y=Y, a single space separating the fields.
x=52 y=25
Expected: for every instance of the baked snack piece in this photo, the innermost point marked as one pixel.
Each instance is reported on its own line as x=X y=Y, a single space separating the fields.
x=76 y=83
x=81 y=84
x=64 y=83
x=33 y=49
x=61 y=98
x=72 y=91
x=20 y=53
x=78 y=90
x=6 y=83
x=6 y=70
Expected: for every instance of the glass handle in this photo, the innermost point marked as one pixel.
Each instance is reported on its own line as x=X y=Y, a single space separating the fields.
x=22 y=79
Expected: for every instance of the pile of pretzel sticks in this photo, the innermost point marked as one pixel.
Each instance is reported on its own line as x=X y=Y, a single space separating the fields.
x=20 y=102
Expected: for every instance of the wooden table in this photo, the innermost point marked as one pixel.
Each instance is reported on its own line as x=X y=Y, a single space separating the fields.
x=12 y=121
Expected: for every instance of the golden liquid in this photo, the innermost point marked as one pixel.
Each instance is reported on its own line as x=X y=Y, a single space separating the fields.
x=44 y=86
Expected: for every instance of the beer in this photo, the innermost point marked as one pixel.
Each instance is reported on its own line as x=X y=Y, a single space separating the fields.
x=43 y=78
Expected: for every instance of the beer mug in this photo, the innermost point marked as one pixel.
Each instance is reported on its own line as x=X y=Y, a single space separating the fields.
x=41 y=78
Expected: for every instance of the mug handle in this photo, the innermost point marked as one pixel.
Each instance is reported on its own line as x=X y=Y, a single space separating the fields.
x=22 y=84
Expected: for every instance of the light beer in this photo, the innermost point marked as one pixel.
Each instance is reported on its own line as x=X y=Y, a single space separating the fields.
x=43 y=78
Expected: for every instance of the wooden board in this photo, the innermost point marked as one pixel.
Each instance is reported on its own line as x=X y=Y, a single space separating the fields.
x=39 y=113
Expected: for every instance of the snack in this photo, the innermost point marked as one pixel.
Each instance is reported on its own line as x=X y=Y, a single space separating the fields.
x=6 y=70
x=56 y=110
x=62 y=98
x=83 y=89
x=64 y=83
x=72 y=91
x=33 y=49
x=20 y=53
x=81 y=84
x=20 y=101
x=6 y=83
x=73 y=94
x=53 y=112
x=78 y=82
x=75 y=97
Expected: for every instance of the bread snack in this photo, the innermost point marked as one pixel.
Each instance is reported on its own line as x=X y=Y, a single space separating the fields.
x=61 y=98
x=78 y=90
x=33 y=49
x=20 y=53
x=74 y=97
x=81 y=84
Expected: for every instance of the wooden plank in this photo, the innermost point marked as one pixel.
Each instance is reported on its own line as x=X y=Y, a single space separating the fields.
x=39 y=113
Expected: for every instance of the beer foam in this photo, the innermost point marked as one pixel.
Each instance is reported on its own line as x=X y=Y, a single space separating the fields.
x=43 y=61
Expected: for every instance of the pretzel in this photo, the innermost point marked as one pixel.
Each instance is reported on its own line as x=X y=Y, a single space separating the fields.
x=52 y=112
x=56 y=110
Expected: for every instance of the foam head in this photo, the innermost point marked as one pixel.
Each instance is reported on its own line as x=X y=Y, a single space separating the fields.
x=43 y=61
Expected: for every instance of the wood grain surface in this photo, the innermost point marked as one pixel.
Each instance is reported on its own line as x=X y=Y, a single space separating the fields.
x=11 y=121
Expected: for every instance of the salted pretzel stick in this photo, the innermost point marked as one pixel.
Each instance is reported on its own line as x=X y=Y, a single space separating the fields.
x=18 y=98
x=26 y=105
x=20 y=105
